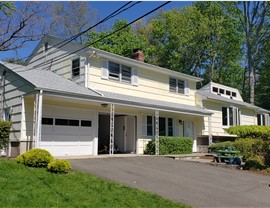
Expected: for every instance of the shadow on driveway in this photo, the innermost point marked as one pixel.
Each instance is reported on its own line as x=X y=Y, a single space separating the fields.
x=196 y=184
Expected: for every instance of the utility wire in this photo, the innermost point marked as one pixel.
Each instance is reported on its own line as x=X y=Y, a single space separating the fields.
x=68 y=40
x=49 y=62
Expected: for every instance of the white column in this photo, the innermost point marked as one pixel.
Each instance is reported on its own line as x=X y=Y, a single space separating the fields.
x=210 y=137
x=37 y=118
x=157 y=131
x=111 y=150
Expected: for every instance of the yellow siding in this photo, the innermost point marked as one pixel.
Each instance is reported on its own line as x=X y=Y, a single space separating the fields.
x=151 y=85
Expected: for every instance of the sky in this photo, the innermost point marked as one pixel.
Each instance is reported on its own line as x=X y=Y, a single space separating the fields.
x=103 y=9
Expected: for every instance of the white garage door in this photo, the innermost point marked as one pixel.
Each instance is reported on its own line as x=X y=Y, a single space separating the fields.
x=67 y=132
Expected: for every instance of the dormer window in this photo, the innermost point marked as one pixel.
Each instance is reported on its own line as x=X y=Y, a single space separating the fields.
x=234 y=94
x=75 y=68
x=215 y=89
x=221 y=91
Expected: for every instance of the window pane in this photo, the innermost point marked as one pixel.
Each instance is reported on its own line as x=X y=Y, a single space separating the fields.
x=75 y=67
x=73 y=122
x=86 y=123
x=221 y=91
x=61 y=122
x=215 y=89
x=162 y=126
x=228 y=92
x=47 y=121
x=263 y=119
x=172 y=84
x=149 y=126
x=259 y=119
x=231 y=116
x=170 y=127
x=181 y=86
x=224 y=116
x=126 y=74
x=234 y=94
x=114 y=70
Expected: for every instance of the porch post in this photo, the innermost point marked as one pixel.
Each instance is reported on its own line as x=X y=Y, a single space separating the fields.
x=210 y=137
x=157 y=131
x=111 y=150
x=37 y=118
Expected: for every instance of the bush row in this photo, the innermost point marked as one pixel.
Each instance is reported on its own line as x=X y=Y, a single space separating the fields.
x=43 y=158
x=252 y=131
x=170 y=145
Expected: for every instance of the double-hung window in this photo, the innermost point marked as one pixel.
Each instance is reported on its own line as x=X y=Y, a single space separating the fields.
x=119 y=72
x=165 y=126
x=75 y=67
x=263 y=119
x=177 y=86
x=230 y=116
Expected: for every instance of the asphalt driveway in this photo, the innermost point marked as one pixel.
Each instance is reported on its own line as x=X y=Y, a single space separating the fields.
x=196 y=184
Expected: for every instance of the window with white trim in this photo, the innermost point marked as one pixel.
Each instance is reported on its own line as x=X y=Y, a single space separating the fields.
x=75 y=70
x=176 y=86
x=262 y=120
x=230 y=116
x=119 y=72
x=165 y=126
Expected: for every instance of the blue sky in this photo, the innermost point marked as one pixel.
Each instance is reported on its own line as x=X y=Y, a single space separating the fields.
x=103 y=9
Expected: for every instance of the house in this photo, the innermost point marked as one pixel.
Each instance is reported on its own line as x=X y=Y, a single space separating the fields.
x=76 y=100
x=228 y=109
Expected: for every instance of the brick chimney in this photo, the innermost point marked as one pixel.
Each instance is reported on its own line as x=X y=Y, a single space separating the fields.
x=138 y=55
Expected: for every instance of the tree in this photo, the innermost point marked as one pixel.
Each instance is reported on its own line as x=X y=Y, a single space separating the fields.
x=121 y=43
x=254 y=19
x=27 y=22
x=71 y=18
x=202 y=40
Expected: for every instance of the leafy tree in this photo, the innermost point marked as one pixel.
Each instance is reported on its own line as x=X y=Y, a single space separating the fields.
x=71 y=18
x=121 y=43
x=14 y=61
x=6 y=8
x=202 y=40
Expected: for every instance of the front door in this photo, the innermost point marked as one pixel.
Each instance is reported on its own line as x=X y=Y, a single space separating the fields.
x=130 y=134
x=189 y=132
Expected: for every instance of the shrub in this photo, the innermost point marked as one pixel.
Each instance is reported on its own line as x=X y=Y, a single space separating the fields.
x=254 y=163
x=249 y=148
x=217 y=146
x=4 y=133
x=251 y=131
x=35 y=158
x=59 y=166
x=170 y=145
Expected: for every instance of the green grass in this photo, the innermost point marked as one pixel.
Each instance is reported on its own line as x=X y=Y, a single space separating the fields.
x=22 y=186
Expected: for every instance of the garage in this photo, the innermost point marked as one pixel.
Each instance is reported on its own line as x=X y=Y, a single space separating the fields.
x=68 y=131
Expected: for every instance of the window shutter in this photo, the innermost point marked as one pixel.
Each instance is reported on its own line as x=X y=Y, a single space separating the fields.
x=104 y=70
x=186 y=87
x=134 y=77
x=144 y=125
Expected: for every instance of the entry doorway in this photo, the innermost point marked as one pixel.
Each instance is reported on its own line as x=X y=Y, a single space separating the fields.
x=124 y=134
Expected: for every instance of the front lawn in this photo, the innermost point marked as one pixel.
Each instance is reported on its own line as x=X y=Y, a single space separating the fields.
x=21 y=186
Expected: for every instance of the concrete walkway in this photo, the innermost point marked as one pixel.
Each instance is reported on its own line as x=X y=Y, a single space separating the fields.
x=196 y=184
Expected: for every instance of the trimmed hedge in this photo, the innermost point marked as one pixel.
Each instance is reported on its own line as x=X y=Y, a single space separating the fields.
x=59 y=166
x=170 y=145
x=254 y=163
x=35 y=158
x=4 y=133
x=251 y=131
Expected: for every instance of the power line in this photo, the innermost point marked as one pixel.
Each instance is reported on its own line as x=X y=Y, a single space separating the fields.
x=68 y=40
x=87 y=45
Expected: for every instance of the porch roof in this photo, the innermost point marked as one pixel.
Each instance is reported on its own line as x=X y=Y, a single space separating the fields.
x=156 y=104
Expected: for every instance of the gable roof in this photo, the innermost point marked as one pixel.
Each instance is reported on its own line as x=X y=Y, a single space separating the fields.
x=114 y=57
x=49 y=81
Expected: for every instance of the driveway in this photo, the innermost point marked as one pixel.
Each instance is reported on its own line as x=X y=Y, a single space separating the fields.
x=196 y=184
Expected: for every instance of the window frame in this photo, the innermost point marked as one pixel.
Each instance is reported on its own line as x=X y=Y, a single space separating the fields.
x=151 y=125
x=121 y=78
x=77 y=68
x=177 y=82
x=230 y=116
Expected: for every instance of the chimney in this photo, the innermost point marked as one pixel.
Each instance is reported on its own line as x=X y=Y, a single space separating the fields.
x=138 y=55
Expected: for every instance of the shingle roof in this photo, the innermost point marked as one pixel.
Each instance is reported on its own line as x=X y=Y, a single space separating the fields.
x=47 y=80
x=212 y=96
x=127 y=99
